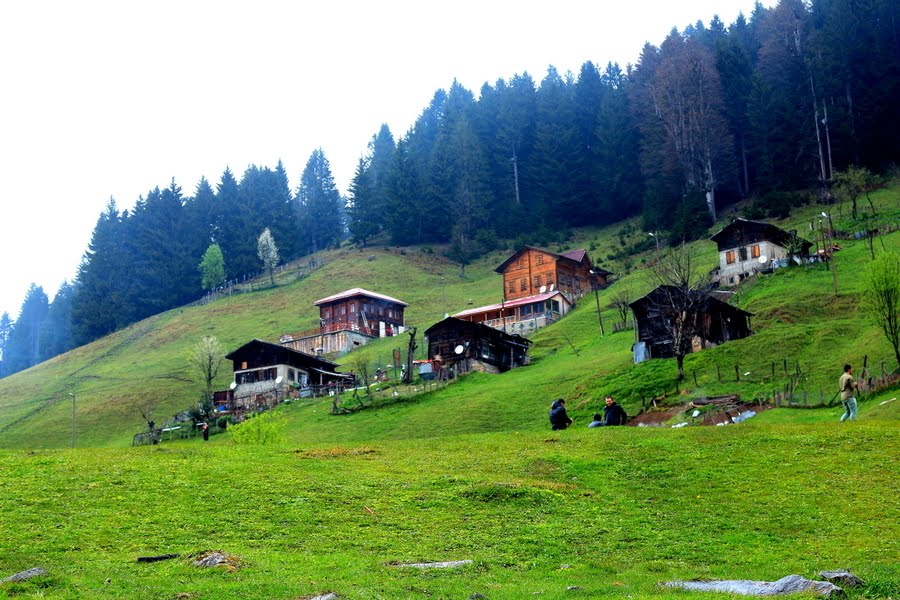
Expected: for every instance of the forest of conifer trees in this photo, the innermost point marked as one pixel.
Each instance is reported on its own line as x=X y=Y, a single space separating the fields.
x=781 y=100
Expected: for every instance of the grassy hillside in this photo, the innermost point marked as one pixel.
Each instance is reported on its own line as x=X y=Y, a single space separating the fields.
x=606 y=512
x=798 y=322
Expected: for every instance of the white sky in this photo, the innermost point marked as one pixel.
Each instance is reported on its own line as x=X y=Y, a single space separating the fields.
x=110 y=99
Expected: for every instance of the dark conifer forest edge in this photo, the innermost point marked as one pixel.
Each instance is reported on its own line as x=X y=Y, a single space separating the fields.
x=787 y=100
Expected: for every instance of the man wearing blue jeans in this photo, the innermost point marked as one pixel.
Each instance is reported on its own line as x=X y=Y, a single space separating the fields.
x=848 y=397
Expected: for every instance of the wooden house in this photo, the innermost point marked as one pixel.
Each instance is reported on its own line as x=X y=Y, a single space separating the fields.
x=521 y=316
x=716 y=322
x=348 y=320
x=531 y=271
x=266 y=373
x=464 y=346
x=748 y=247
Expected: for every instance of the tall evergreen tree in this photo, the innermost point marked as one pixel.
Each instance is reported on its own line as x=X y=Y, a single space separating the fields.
x=320 y=218
x=23 y=347
x=5 y=329
x=101 y=303
x=56 y=331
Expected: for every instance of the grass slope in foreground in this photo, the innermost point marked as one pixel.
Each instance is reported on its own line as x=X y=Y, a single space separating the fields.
x=613 y=512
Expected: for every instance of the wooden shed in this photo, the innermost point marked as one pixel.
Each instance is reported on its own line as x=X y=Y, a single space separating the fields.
x=716 y=322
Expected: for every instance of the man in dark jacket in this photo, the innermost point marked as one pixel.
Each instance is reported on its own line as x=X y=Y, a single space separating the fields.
x=559 y=419
x=613 y=414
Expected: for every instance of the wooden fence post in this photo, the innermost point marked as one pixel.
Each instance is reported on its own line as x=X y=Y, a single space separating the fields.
x=737 y=374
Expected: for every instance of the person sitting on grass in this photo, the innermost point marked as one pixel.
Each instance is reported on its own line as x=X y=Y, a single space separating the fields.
x=613 y=414
x=559 y=419
x=597 y=422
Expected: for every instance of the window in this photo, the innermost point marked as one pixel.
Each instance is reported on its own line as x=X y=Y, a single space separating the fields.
x=539 y=259
x=523 y=284
x=537 y=281
x=742 y=252
x=729 y=257
x=343 y=310
x=754 y=251
x=512 y=286
x=292 y=375
x=352 y=308
x=327 y=313
x=549 y=278
x=243 y=365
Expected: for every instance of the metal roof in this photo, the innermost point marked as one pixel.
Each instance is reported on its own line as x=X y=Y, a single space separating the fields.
x=358 y=292
x=512 y=303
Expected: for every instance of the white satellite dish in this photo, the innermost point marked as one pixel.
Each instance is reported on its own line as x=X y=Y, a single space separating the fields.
x=278 y=379
x=233 y=385
x=543 y=289
x=552 y=285
x=763 y=259
x=459 y=349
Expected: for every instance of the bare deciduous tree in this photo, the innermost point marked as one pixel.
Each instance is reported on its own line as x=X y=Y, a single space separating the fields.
x=687 y=98
x=206 y=358
x=680 y=300
x=621 y=302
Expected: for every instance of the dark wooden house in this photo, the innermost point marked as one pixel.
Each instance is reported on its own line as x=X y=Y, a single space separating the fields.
x=713 y=322
x=748 y=247
x=266 y=373
x=531 y=271
x=465 y=346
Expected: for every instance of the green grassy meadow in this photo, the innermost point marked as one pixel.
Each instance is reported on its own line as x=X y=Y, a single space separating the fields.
x=613 y=512
x=467 y=470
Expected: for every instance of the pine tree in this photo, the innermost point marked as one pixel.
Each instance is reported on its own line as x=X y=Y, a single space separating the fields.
x=23 y=348
x=320 y=218
x=5 y=329
x=56 y=331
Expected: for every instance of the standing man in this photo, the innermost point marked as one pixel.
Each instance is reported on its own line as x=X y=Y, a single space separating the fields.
x=613 y=414
x=847 y=385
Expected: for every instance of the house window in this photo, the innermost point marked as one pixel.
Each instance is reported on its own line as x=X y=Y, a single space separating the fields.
x=243 y=365
x=352 y=308
x=327 y=313
x=549 y=278
x=539 y=259
x=523 y=284
x=729 y=257
x=754 y=251
x=343 y=310
x=537 y=281
x=512 y=286
x=292 y=375
x=742 y=252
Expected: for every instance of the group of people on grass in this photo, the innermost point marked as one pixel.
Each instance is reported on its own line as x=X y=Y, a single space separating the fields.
x=614 y=414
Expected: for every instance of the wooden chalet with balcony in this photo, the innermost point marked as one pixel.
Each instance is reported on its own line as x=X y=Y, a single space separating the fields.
x=265 y=374
x=521 y=316
x=531 y=271
x=348 y=320
x=748 y=247
x=463 y=346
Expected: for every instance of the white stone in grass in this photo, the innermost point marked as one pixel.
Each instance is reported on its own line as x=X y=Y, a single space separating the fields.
x=451 y=564
x=328 y=596
x=792 y=584
x=24 y=575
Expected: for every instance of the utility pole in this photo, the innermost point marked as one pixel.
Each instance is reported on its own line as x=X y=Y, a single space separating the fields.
x=597 y=298
x=73 y=418
x=829 y=252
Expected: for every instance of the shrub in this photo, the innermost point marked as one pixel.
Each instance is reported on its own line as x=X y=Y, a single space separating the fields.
x=260 y=430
